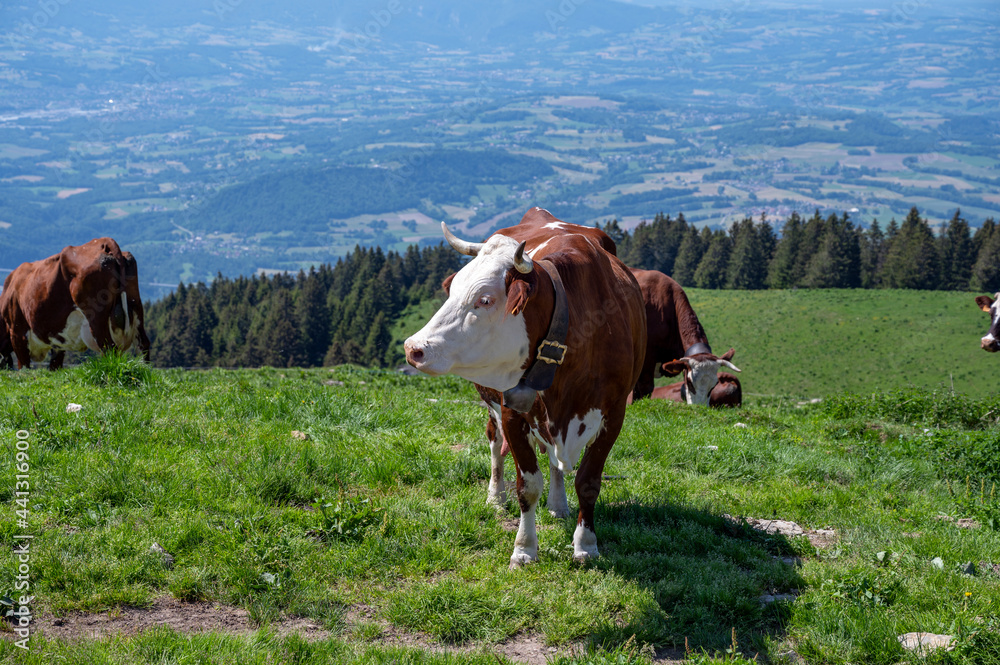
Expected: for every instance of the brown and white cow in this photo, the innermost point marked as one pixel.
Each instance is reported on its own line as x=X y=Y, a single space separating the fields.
x=674 y=331
x=536 y=228
x=491 y=330
x=85 y=297
x=728 y=392
x=991 y=342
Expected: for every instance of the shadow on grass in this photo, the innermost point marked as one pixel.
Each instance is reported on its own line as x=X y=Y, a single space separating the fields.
x=704 y=574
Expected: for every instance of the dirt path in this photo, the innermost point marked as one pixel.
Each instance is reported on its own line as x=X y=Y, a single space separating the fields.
x=220 y=618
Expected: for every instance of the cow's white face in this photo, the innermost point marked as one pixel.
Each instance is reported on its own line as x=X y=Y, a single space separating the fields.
x=701 y=377
x=701 y=374
x=473 y=335
x=991 y=342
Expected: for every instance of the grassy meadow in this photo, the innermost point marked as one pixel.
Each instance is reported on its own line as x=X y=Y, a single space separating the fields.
x=342 y=511
x=814 y=342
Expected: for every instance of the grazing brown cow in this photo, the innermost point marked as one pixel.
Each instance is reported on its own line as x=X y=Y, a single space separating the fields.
x=991 y=342
x=85 y=297
x=561 y=335
x=727 y=392
x=673 y=331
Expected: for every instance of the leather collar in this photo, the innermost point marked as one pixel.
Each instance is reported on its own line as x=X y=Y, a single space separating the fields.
x=550 y=353
x=699 y=347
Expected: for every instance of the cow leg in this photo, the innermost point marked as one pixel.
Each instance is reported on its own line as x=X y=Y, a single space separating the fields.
x=56 y=361
x=19 y=340
x=496 y=496
x=644 y=386
x=6 y=350
x=143 y=342
x=588 y=485
x=530 y=483
x=556 y=502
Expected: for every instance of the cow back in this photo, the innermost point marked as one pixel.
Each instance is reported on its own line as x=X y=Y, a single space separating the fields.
x=607 y=324
x=539 y=226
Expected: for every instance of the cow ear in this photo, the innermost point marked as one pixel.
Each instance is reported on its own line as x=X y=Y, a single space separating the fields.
x=673 y=368
x=446 y=284
x=984 y=302
x=68 y=264
x=728 y=355
x=518 y=294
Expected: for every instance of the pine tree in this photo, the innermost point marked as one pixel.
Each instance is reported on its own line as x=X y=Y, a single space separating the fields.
x=872 y=255
x=615 y=232
x=312 y=317
x=781 y=273
x=748 y=263
x=837 y=262
x=711 y=272
x=982 y=234
x=282 y=343
x=911 y=261
x=688 y=257
x=377 y=350
x=812 y=238
x=956 y=249
x=986 y=271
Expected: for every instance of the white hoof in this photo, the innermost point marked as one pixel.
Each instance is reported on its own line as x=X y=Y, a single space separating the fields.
x=521 y=559
x=584 y=544
x=559 y=513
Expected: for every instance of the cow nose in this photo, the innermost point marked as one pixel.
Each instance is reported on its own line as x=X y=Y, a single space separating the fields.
x=414 y=353
x=989 y=344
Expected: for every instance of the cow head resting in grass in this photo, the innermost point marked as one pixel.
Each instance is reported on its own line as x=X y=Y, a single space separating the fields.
x=991 y=342
x=701 y=373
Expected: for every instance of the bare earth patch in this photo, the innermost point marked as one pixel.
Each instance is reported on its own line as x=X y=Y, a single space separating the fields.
x=183 y=617
x=202 y=617
x=819 y=538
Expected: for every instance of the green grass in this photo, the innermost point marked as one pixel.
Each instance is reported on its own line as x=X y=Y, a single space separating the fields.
x=383 y=507
x=810 y=343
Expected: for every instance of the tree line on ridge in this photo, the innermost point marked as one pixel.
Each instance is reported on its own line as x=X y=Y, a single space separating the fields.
x=345 y=313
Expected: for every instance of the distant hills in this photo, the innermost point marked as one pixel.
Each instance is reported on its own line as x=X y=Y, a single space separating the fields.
x=251 y=136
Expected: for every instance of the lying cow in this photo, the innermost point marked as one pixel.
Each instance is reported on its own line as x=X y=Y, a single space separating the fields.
x=991 y=342
x=673 y=331
x=727 y=392
x=85 y=297
x=561 y=335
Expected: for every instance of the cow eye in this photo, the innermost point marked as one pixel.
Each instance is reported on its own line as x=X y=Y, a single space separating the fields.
x=484 y=301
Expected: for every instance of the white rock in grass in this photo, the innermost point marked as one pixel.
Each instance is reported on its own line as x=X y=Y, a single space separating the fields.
x=924 y=643
x=73 y=408
x=767 y=598
x=739 y=425
x=938 y=563
x=168 y=559
x=710 y=447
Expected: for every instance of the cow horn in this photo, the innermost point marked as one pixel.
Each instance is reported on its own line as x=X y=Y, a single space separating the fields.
x=461 y=246
x=723 y=361
x=521 y=262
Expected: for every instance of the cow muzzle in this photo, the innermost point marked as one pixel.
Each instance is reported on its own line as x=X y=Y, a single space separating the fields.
x=990 y=344
x=414 y=353
x=419 y=355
